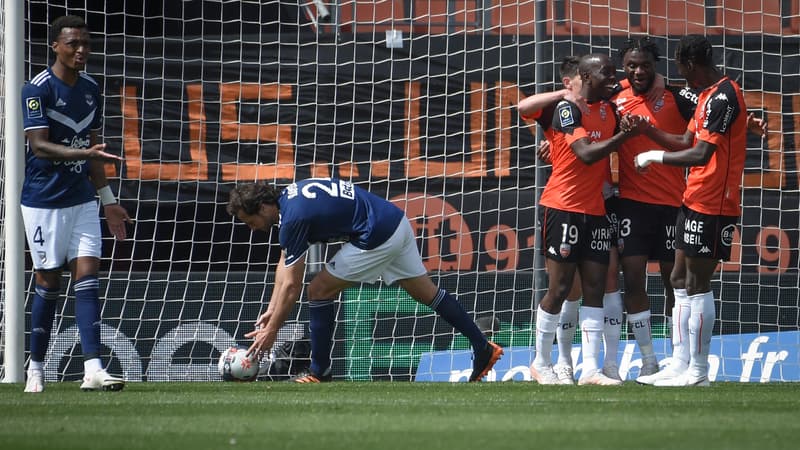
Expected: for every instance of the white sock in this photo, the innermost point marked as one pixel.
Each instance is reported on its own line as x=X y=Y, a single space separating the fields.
x=668 y=331
x=91 y=366
x=546 y=325
x=36 y=365
x=701 y=325
x=565 y=334
x=680 y=327
x=592 y=333
x=612 y=326
x=640 y=324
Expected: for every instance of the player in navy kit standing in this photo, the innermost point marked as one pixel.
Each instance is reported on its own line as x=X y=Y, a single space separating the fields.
x=380 y=243
x=62 y=115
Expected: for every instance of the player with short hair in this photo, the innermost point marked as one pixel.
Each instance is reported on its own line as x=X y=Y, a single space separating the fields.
x=540 y=107
x=713 y=146
x=380 y=243
x=575 y=230
x=62 y=117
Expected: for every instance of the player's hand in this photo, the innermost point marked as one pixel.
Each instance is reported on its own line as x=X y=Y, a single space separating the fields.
x=99 y=152
x=116 y=218
x=632 y=124
x=543 y=152
x=756 y=125
x=656 y=90
x=644 y=159
x=261 y=339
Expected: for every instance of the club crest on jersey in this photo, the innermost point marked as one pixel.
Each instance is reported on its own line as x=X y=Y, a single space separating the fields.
x=726 y=235
x=89 y=99
x=565 y=116
x=34 y=105
x=659 y=104
x=565 y=249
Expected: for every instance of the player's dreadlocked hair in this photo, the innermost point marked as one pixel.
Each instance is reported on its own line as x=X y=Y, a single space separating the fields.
x=65 y=22
x=569 y=66
x=642 y=44
x=695 y=49
x=249 y=197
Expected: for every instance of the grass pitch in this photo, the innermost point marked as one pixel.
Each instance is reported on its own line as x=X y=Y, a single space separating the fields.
x=408 y=416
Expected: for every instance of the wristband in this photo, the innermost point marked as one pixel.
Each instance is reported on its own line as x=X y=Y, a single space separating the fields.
x=644 y=159
x=106 y=196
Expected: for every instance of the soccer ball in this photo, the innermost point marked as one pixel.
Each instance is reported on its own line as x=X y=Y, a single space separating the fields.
x=235 y=365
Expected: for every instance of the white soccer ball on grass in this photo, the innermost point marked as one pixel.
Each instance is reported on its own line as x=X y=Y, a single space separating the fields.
x=235 y=365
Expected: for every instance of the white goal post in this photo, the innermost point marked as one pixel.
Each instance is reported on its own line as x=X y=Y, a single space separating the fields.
x=414 y=100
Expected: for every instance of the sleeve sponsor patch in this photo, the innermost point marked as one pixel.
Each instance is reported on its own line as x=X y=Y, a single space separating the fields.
x=565 y=116
x=34 y=107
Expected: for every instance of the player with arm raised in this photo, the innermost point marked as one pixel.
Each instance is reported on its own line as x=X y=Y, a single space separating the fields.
x=575 y=230
x=62 y=115
x=713 y=146
x=540 y=107
x=380 y=243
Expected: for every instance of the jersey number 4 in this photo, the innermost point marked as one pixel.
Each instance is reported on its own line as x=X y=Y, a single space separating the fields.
x=38 y=237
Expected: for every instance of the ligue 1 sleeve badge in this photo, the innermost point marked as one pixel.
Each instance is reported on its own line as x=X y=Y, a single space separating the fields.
x=34 y=105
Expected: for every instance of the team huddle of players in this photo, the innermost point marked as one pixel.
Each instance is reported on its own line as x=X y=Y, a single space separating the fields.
x=590 y=229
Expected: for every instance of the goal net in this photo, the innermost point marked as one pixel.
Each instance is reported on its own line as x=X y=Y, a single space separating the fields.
x=414 y=100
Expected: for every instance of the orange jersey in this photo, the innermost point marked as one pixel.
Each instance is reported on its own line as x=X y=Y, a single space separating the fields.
x=575 y=186
x=660 y=184
x=720 y=119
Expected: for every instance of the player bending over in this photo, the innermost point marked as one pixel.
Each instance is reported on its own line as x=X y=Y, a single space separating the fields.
x=380 y=243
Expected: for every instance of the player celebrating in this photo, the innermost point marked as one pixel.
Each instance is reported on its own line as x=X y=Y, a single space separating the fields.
x=714 y=147
x=649 y=202
x=575 y=230
x=380 y=243
x=536 y=107
x=62 y=115
x=540 y=107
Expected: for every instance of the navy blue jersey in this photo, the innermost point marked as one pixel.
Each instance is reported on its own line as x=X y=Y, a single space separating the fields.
x=330 y=210
x=70 y=113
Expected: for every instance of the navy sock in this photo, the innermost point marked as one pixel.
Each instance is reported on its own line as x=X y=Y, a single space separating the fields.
x=452 y=311
x=87 y=315
x=43 y=311
x=323 y=318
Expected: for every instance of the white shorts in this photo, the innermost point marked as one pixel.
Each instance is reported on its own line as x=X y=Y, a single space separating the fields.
x=57 y=236
x=396 y=259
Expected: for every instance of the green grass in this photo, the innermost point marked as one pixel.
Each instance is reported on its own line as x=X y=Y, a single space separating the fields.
x=409 y=416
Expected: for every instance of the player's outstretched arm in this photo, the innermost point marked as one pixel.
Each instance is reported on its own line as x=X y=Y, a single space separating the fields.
x=285 y=293
x=530 y=106
x=39 y=142
x=699 y=155
x=590 y=152
x=667 y=140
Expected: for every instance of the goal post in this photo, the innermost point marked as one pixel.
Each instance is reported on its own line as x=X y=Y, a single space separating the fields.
x=414 y=100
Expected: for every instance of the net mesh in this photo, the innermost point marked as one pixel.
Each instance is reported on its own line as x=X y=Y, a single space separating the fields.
x=414 y=100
